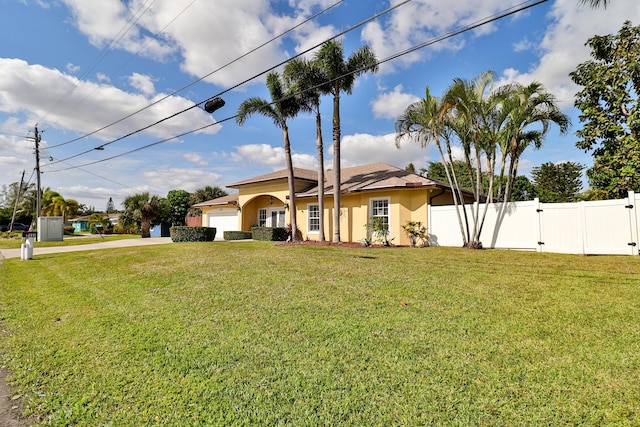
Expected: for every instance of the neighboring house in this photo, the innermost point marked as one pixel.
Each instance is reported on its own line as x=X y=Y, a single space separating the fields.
x=368 y=191
x=81 y=224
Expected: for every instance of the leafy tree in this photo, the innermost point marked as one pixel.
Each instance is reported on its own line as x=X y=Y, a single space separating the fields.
x=178 y=205
x=557 y=183
x=305 y=78
x=142 y=208
x=610 y=112
x=202 y=195
x=26 y=202
x=436 y=170
x=340 y=75
x=282 y=107
x=523 y=189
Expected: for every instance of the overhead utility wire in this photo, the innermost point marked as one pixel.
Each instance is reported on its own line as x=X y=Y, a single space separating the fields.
x=124 y=30
x=133 y=55
x=200 y=79
x=239 y=84
x=485 y=21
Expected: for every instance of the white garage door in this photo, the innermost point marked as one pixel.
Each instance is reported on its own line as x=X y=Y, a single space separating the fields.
x=223 y=219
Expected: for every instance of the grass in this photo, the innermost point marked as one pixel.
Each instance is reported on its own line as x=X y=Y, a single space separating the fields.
x=256 y=334
x=14 y=241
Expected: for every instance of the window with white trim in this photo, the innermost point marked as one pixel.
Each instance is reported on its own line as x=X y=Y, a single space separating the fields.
x=262 y=217
x=380 y=209
x=313 y=220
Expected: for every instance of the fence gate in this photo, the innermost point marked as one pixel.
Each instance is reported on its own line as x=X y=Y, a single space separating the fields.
x=602 y=227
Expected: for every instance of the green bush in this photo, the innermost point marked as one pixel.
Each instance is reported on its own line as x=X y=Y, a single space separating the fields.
x=192 y=234
x=69 y=230
x=266 y=234
x=236 y=235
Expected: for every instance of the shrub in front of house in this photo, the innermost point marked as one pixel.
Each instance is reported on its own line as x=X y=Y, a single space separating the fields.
x=69 y=230
x=236 y=235
x=269 y=234
x=192 y=234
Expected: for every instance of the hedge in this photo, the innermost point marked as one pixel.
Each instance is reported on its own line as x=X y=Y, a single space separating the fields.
x=236 y=235
x=192 y=234
x=277 y=234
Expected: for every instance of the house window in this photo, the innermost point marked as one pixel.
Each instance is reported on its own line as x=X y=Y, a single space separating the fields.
x=314 y=219
x=380 y=209
x=262 y=218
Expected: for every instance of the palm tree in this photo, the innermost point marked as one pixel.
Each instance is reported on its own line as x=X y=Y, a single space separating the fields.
x=531 y=111
x=305 y=78
x=596 y=3
x=426 y=121
x=341 y=76
x=143 y=209
x=283 y=106
x=202 y=195
x=467 y=102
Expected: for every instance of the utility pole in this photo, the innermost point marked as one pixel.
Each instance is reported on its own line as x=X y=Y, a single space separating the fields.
x=36 y=138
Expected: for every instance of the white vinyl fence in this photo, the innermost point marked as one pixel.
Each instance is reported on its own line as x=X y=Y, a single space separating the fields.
x=603 y=227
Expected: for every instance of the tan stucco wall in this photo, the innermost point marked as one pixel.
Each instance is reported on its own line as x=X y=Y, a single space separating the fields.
x=404 y=205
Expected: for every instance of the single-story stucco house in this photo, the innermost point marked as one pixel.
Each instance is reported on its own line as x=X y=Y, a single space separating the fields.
x=370 y=190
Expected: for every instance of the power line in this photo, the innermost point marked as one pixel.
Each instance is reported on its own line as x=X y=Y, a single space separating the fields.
x=476 y=24
x=361 y=23
x=133 y=55
x=201 y=78
x=123 y=31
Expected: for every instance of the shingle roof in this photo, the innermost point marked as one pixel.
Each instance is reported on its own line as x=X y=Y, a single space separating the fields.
x=298 y=173
x=375 y=176
x=231 y=199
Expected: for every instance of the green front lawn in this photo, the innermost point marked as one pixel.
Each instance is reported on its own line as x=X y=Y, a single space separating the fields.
x=250 y=333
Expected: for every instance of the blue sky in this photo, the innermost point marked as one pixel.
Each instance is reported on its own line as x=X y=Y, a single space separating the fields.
x=73 y=67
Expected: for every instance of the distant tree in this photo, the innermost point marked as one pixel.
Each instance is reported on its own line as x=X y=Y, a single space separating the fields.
x=26 y=202
x=523 y=189
x=111 y=207
x=142 y=208
x=410 y=168
x=557 y=183
x=436 y=170
x=611 y=111
x=202 y=195
x=178 y=205
x=54 y=204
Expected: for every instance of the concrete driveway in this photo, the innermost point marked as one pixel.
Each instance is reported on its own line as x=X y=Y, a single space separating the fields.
x=124 y=243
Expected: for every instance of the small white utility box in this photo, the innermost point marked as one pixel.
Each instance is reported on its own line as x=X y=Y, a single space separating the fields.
x=50 y=228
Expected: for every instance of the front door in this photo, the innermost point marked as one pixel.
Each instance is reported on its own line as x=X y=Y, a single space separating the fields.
x=276 y=217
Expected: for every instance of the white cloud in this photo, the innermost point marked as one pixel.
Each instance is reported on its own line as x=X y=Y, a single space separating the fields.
x=562 y=49
x=392 y=104
x=362 y=149
x=35 y=89
x=164 y=180
x=142 y=83
x=195 y=158
x=274 y=157
x=103 y=78
x=72 y=68
x=422 y=21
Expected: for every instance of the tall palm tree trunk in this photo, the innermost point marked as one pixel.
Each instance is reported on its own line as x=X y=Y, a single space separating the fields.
x=336 y=166
x=320 y=148
x=292 y=190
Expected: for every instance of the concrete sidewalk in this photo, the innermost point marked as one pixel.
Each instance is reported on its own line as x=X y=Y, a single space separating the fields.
x=124 y=243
